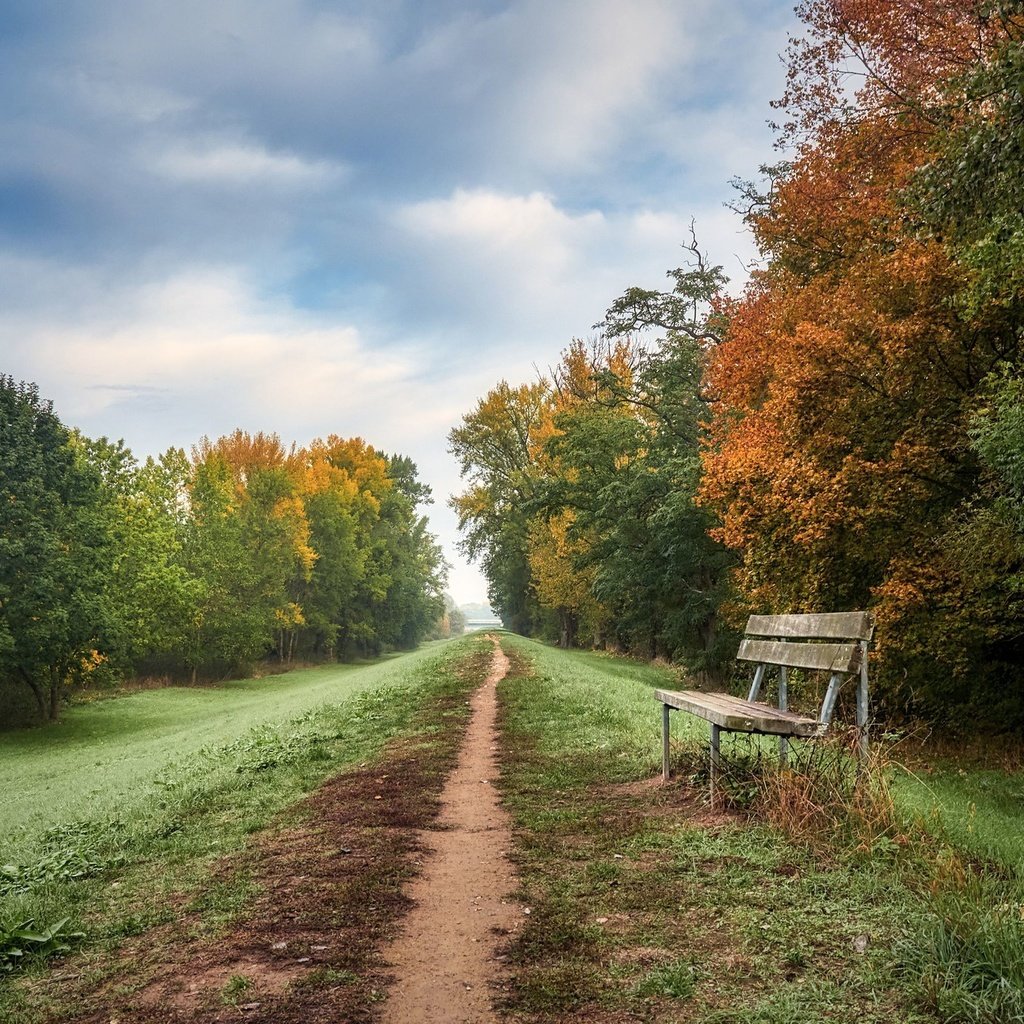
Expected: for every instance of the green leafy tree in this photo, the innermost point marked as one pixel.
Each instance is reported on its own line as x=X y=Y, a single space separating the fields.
x=152 y=593
x=248 y=540
x=55 y=550
x=629 y=471
x=406 y=566
x=493 y=446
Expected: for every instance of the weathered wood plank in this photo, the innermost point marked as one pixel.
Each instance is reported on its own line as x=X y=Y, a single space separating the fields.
x=736 y=715
x=724 y=703
x=818 y=626
x=824 y=657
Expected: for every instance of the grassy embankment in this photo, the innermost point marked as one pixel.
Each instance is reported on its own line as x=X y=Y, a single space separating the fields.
x=646 y=906
x=120 y=818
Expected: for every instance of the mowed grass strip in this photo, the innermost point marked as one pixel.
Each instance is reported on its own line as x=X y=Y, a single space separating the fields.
x=979 y=810
x=106 y=757
x=161 y=861
x=644 y=905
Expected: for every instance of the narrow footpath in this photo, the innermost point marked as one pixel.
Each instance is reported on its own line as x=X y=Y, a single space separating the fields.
x=446 y=961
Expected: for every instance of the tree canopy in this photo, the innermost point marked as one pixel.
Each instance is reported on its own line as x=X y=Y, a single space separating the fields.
x=843 y=432
x=202 y=565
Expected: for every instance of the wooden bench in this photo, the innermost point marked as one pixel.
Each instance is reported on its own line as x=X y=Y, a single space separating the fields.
x=833 y=642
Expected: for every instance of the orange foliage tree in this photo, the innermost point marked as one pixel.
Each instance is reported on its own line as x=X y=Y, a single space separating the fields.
x=838 y=456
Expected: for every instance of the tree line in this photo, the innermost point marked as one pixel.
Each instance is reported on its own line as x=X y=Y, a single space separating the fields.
x=202 y=564
x=846 y=431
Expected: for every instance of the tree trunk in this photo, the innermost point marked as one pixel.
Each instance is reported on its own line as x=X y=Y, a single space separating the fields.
x=708 y=632
x=37 y=692
x=55 y=680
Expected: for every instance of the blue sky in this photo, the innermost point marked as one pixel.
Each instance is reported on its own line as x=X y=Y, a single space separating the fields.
x=356 y=217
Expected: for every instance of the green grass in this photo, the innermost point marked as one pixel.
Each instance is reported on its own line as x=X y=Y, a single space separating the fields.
x=641 y=909
x=978 y=810
x=140 y=798
x=941 y=909
x=964 y=950
x=604 y=705
x=112 y=756
x=644 y=908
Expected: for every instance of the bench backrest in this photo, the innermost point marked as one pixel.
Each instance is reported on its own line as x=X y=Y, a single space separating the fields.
x=828 y=657
x=818 y=626
x=809 y=642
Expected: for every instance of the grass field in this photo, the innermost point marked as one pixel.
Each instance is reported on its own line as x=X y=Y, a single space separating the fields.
x=646 y=906
x=112 y=757
x=150 y=792
x=977 y=810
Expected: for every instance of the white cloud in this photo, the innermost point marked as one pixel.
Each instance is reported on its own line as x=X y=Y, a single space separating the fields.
x=501 y=233
x=163 y=363
x=591 y=69
x=202 y=340
x=533 y=274
x=552 y=86
x=104 y=90
x=240 y=163
x=466 y=185
x=213 y=47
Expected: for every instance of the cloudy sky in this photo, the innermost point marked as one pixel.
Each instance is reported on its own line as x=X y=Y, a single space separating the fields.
x=353 y=217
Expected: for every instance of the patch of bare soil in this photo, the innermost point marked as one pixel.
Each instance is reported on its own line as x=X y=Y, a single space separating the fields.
x=689 y=805
x=330 y=893
x=446 y=962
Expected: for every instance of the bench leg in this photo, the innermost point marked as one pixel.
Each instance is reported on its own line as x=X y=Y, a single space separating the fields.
x=783 y=706
x=666 y=771
x=862 y=702
x=716 y=761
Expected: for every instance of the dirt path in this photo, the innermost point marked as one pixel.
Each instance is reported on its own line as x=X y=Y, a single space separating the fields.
x=445 y=962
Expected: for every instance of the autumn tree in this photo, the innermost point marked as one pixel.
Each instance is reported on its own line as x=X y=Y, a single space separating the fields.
x=593 y=486
x=627 y=448
x=248 y=546
x=840 y=459
x=338 y=480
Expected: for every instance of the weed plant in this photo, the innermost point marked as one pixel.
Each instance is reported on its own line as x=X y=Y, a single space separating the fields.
x=826 y=795
x=961 y=952
x=964 y=955
x=26 y=940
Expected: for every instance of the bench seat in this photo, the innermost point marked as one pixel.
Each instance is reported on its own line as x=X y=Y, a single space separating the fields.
x=733 y=714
